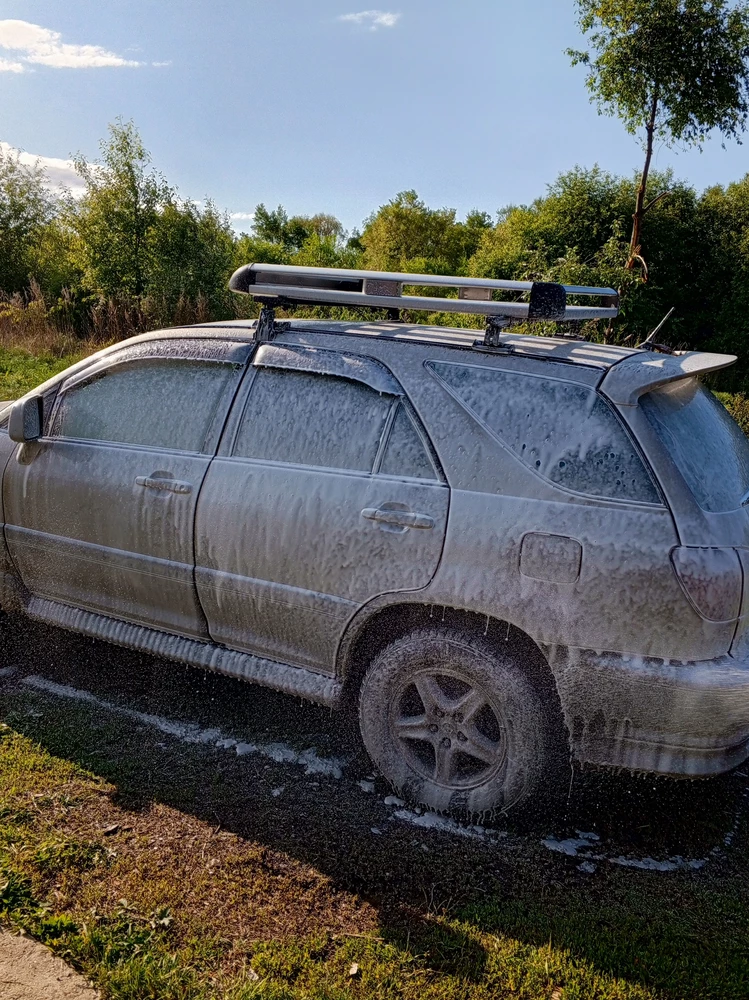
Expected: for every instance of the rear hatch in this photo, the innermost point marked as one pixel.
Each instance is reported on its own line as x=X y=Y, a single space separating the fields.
x=711 y=454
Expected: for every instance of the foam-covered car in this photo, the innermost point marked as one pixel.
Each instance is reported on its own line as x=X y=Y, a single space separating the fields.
x=498 y=544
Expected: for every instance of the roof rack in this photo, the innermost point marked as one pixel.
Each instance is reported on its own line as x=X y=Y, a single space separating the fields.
x=288 y=285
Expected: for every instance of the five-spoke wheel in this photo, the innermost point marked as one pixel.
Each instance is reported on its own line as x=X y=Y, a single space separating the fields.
x=449 y=727
x=455 y=722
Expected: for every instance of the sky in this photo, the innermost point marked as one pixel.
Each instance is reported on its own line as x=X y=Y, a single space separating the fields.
x=325 y=105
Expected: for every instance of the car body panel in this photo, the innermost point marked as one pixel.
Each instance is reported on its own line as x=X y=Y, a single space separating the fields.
x=109 y=526
x=288 y=571
x=69 y=545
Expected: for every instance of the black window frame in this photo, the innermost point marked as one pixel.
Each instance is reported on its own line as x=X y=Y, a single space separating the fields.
x=228 y=445
x=130 y=359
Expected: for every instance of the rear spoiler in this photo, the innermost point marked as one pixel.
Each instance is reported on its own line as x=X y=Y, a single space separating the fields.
x=639 y=373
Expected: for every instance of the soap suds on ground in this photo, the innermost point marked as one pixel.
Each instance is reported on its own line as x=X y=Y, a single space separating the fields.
x=589 y=846
x=586 y=846
x=190 y=732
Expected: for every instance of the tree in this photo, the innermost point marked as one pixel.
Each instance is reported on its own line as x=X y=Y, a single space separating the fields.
x=407 y=235
x=578 y=234
x=676 y=69
x=276 y=228
x=191 y=259
x=26 y=212
x=116 y=219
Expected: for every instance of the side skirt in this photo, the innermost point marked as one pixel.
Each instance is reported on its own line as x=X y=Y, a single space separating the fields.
x=298 y=681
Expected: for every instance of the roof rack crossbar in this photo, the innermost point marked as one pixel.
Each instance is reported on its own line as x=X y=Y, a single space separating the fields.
x=292 y=285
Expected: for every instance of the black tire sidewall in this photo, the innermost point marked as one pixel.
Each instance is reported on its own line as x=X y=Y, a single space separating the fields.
x=512 y=690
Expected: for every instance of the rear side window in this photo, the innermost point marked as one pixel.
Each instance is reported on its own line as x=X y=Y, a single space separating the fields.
x=562 y=431
x=405 y=454
x=168 y=404
x=308 y=419
x=709 y=448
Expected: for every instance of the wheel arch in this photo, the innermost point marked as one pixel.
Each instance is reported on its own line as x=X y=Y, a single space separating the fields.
x=385 y=619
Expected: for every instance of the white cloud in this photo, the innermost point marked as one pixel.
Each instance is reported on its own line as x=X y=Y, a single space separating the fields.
x=372 y=19
x=35 y=45
x=6 y=66
x=60 y=174
x=239 y=220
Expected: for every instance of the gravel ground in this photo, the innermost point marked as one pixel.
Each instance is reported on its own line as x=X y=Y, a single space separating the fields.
x=29 y=971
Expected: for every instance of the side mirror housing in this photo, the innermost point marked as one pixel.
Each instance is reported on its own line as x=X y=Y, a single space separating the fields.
x=25 y=422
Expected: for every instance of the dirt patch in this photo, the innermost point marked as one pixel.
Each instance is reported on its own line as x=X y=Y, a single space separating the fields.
x=29 y=971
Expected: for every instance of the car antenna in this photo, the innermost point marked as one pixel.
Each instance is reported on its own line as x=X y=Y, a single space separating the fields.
x=649 y=343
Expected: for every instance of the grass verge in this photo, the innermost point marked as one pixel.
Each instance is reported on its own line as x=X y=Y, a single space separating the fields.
x=201 y=905
x=21 y=371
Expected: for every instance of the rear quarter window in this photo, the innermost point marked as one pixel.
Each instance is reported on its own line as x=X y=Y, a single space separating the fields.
x=564 y=432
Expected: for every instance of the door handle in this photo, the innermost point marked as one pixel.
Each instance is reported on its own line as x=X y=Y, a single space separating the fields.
x=171 y=485
x=398 y=518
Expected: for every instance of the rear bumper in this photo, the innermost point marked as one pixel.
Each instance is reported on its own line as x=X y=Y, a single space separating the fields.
x=646 y=714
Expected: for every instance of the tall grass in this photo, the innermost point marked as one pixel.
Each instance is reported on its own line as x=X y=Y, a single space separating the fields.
x=72 y=325
x=39 y=338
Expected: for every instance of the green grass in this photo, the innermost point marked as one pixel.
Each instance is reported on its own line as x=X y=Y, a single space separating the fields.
x=737 y=405
x=624 y=936
x=21 y=371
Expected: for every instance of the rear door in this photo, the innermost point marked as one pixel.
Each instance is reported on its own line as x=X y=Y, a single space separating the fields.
x=324 y=495
x=100 y=513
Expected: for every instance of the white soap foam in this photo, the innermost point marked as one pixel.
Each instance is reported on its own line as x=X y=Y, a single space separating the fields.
x=589 y=846
x=189 y=732
x=443 y=824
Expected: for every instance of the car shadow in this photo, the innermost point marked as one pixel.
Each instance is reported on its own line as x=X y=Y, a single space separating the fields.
x=633 y=925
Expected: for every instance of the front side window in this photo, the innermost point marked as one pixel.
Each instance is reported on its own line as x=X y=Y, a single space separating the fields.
x=162 y=403
x=301 y=418
x=707 y=445
x=562 y=431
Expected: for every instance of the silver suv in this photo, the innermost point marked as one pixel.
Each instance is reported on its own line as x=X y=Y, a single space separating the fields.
x=495 y=544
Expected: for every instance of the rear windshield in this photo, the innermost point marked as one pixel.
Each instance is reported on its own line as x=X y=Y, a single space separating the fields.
x=709 y=448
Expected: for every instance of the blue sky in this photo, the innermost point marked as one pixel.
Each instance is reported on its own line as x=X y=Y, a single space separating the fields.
x=471 y=102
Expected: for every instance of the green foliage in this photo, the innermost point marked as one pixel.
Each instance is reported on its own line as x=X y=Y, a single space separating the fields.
x=738 y=406
x=26 y=213
x=675 y=68
x=116 y=220
x=292 y=233
x=21 y=371
x=192 y=256
x=406 y=235
x=131 y=255
x=689 y=56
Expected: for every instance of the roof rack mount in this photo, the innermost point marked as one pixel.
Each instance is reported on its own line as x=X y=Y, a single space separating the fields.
x=282 y=284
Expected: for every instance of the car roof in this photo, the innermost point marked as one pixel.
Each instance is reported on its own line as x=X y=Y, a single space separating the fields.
x=564 y=349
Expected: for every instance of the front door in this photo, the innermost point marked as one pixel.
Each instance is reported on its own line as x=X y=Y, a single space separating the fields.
x=325 y=496
x=100 y=513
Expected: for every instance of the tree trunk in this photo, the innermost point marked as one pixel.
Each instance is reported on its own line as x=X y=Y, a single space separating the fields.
x=635 y=242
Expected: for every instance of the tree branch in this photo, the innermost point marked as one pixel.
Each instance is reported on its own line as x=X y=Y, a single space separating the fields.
x=651 y=204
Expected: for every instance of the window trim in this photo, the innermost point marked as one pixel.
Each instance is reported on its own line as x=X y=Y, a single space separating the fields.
x=319 y=361
x=439 y=477
x=618 y=501
x=98 y=371
x=252 y=374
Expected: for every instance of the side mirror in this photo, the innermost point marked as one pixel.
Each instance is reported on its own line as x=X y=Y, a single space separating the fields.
x=25 y=422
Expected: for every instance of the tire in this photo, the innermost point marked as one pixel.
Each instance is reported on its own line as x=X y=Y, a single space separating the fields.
x=457 y=724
